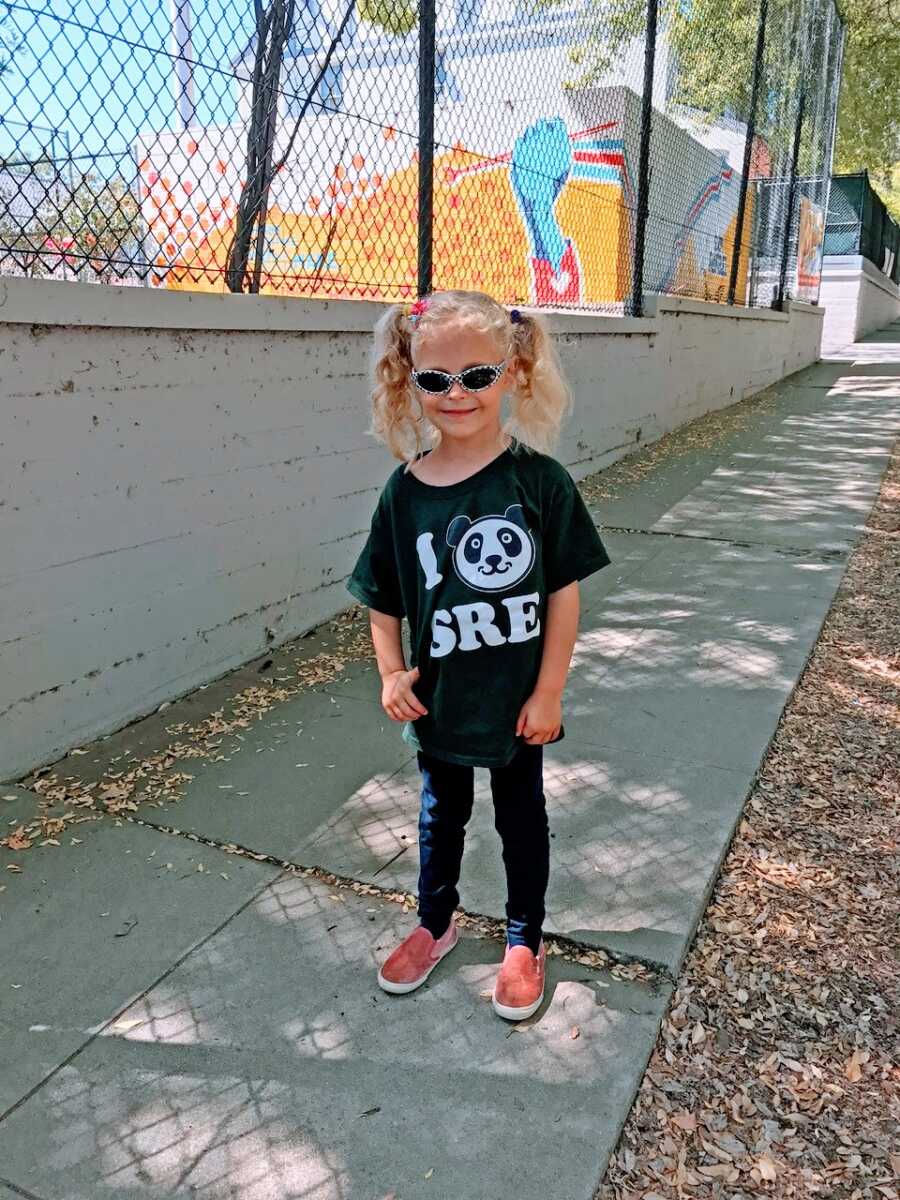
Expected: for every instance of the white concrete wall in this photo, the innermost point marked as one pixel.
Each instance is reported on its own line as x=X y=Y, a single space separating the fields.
x=857 y=298
x=186 y=479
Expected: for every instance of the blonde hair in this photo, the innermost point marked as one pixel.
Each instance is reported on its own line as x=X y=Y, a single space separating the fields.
x=539 y=398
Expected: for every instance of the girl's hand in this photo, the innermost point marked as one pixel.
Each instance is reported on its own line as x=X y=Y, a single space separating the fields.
x=397 y=697
x=540 y=718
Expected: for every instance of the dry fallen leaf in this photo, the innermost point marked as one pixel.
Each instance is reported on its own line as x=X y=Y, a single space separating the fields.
x=684 y=1120
x=853 y=1066
x=767 y=1168
x=719 y=1171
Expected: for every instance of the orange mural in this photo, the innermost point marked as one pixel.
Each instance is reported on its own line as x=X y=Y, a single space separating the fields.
x=549 y=222
x=358 y=239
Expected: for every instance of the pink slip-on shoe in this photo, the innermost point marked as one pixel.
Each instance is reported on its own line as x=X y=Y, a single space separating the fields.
x=414 y=959
x=519 y=989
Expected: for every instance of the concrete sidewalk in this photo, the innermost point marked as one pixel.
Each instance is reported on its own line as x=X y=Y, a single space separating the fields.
x=167 y=1030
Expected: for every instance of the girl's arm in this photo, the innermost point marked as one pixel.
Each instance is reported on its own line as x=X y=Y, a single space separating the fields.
x=387 y=642
x=541 y=715
x=559 y=639
x=398 y=699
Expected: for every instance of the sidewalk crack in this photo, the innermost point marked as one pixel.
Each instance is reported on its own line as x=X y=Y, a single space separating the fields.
x=19 y=1191
x=790 y=551
x=648 y=971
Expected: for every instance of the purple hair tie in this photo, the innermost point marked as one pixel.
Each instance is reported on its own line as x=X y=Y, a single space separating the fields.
x=515 y=316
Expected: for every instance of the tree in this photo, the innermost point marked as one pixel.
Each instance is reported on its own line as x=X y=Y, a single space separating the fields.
x=868 y=133
x=393 y=16
x=713 y=45
x=9 y=41
x=91 y=230
x=102 y=219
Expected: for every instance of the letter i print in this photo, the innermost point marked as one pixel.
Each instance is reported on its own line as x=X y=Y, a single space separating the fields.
x=428 y=560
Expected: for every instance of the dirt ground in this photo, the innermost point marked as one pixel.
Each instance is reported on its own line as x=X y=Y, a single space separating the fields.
x=777 y=1067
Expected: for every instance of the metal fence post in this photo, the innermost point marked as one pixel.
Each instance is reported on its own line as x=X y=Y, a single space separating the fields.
x=792 y=196
x=748 y=150
x=426 y=143
x=643 y=183
x=183 y=54
x=832 y=130
x=267 y=176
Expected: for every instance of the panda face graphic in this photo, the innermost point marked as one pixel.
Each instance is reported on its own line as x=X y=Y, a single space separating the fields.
x=492 y=553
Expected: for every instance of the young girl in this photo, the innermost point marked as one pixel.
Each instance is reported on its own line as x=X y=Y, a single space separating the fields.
x=479 y=541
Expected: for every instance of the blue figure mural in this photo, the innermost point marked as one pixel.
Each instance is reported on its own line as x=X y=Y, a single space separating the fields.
x=541 y=166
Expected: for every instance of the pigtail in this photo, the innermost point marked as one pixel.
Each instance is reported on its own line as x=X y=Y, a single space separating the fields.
x=394 y=420
x=541 y=399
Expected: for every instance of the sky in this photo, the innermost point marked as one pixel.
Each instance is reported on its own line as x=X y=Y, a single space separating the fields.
x=98 y=73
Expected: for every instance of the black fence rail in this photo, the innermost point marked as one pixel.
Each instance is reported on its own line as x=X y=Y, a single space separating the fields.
x=859 y=223
x=564 y=153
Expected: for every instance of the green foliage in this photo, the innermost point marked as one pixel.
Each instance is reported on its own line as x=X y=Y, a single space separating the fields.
x=393 y=16
x=77 y=230
x=9 y=42
x=102 y=216
x=714 y=46
x=868 y=133
x=704 y=34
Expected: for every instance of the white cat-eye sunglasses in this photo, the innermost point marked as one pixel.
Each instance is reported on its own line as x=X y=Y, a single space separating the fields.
x=472 y=379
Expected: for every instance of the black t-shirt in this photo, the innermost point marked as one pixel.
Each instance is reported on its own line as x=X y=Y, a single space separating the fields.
x=470 y=565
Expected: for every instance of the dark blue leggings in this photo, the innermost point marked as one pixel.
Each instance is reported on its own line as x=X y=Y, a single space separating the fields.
x=520 y=817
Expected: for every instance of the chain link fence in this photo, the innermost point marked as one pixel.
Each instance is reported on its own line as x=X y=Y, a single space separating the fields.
x=579 y=155
x=859 y=223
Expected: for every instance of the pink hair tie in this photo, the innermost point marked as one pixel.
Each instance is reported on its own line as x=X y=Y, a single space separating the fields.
x=415 y=311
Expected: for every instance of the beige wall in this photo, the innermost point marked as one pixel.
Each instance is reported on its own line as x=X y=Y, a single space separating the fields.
x=186 y=480
x=857 y=298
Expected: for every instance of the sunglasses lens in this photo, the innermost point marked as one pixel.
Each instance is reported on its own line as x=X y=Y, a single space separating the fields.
x=432 y=381
x=476 y=379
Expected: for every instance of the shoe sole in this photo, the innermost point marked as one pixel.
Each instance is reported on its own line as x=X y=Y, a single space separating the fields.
x=400 y=989
x=516 y=1014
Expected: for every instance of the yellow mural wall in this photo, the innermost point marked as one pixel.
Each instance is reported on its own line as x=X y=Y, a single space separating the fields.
x=358 y=240
x=366 y=246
